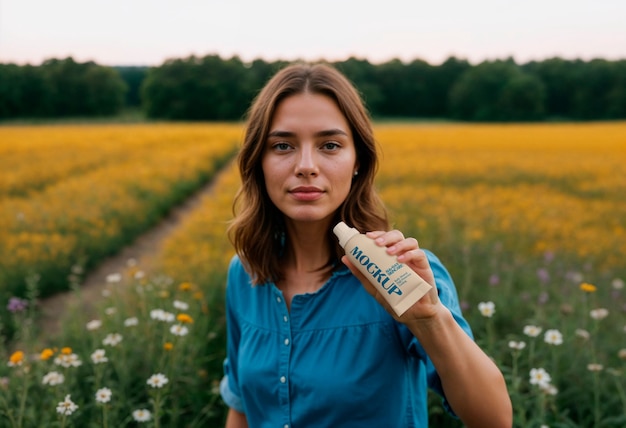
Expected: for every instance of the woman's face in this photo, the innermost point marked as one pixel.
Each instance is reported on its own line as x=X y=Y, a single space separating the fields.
x=309 y=158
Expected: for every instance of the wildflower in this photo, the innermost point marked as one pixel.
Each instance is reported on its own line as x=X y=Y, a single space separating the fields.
x=181 y=306
x=103 y=395
x=543 y=275
x=594 y=367
x=110 y=311
x=588 y=288
x=94 y=325
x=583 y=334
x=575 y=276
x=67 y=360
x=142 y=415
x=16 y=359
x=106 y=292
x=139 y=274
x=599 y=313
x=157 y=380
x=198 y=295
x=517 y=345
x=539 y=377
x=67 y=406
x=553 y=337
x=184 y=318
x=622 y=354
x=185 y=286
x=487 y=309
x=112 y=339
x=168 y=346
x=179 y=330
x=53 y=378
x=99 y=356
x=617 y=284
x=129 y=322
x=66 y=350
x=161 y=315
x=113 y=277
x=46 y=354
x=532 y=330
x=549 y=389
x=16 y=305
x=494 y=279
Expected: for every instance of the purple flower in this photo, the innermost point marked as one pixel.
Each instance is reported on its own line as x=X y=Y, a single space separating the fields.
x=548 y=256
x=543 y=275
x=494 y=279
x=17 y=305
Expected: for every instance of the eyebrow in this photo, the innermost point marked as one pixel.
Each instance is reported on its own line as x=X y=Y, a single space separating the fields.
x=324 y=133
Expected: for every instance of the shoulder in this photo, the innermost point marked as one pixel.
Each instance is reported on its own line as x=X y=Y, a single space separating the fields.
x=237 y=275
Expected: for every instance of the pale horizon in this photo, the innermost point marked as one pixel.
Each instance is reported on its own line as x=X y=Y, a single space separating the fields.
x=147 y=33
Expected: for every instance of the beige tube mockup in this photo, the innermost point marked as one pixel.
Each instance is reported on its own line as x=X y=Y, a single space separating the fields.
x=395 y=281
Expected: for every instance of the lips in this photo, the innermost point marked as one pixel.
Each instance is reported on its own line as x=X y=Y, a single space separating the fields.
x=306 y=193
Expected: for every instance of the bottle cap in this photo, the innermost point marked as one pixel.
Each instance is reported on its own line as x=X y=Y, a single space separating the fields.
x=344 y=232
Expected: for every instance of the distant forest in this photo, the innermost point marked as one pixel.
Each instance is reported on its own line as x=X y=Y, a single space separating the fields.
x=212 y=88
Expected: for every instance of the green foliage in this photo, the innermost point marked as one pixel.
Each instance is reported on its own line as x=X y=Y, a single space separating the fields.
x=60 y=88
x=498 y=91
x=213 y=88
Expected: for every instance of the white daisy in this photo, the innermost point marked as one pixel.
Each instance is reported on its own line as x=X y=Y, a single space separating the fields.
x=67 y=406
x=103 y=395
x=157 y=380
x=142 y=415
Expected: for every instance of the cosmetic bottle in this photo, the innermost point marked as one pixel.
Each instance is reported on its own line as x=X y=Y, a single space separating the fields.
x=395 y=281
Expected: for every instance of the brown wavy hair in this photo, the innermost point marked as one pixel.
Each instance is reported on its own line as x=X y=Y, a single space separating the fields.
x=257 y=230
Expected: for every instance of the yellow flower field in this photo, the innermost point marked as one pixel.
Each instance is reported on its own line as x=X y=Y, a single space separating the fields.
x=72 y=194
x=525 y=217
x=530 y=220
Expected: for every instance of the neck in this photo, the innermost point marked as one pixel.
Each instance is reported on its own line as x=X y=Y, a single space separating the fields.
x=309 y=246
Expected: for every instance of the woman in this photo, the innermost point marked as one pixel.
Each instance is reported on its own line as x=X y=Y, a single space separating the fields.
x=308 y=346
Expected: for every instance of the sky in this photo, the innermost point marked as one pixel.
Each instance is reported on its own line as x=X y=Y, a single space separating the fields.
x=148 y=32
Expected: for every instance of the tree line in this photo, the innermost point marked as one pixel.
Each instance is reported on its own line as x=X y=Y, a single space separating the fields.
x=214 y=88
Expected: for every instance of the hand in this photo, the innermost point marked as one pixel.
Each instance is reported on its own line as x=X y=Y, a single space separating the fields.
x=408 y=252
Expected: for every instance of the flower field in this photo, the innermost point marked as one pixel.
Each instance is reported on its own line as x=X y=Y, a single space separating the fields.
x=74 y=194
x=529 y=219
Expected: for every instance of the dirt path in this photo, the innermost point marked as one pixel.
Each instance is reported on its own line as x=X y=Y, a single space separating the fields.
x=142 y=250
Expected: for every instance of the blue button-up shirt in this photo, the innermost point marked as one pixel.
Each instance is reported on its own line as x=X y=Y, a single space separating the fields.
x=336 y=359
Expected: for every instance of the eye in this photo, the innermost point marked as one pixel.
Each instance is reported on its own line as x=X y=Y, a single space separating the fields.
x=331 y=145
x=281 y=146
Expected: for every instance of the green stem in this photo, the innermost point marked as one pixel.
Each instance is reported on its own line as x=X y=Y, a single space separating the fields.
x=20 y=416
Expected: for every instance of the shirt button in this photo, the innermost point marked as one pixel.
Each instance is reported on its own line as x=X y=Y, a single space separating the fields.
x=285 y=318
x=286 y=342
x=285 y=426
x=278 y=299
x=283 y=379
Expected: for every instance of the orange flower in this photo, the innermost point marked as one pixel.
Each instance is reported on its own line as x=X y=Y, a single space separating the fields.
x=185 y=286
x=46 y=354
x=66 y=350
x=588 y=288
x=184 y=318
x=168 y=346
x=16 y=358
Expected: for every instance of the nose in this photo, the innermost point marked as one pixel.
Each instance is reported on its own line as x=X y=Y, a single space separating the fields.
x=306 y=164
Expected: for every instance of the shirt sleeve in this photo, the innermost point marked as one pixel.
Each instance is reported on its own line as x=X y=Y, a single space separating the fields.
x=229 y=385
x=449 y=298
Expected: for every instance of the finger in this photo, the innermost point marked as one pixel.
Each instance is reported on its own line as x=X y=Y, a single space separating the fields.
x=403 y=246
x=388 y=238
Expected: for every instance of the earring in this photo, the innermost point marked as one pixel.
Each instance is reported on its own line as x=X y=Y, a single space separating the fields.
x=356 y=173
